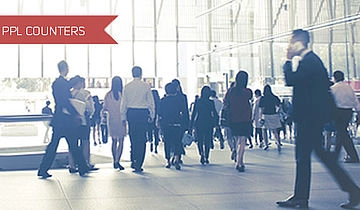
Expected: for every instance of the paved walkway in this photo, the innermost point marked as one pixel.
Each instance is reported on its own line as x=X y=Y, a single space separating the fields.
x=269 y=177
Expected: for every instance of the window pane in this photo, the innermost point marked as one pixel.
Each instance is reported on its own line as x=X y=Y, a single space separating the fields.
x=166 y=68
x=99 y=61
x=9 y=63
x=122 y=60
x=77 y=58
x=53 y=54
x=30 y=61
x=144 y=57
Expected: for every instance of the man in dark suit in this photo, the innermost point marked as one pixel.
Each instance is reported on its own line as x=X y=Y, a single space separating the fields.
x=65 y=122
x=310 y=92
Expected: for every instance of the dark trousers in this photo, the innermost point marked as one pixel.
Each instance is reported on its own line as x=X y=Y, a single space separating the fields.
x=71 y=137
x=218 y=134
x=138 y=122
x=342 y=119
x=172 y=140
x=204 y=138
x=309 y=138
x=104 y=133
x=153 y=133
x=259 y=133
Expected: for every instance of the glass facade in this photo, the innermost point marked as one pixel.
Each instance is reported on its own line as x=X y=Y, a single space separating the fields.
x=197 y=41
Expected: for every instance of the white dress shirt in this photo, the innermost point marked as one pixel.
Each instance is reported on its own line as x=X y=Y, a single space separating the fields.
x=344 y=96
x=137 y=94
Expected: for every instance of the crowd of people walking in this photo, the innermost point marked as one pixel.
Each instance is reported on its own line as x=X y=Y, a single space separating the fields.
x=138 y=111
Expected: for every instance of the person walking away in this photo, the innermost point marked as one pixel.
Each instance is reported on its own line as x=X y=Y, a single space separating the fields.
x=104 y=126
x=48 y=111
x=65 y=122
x=153 y=129
x=225 y=123
x=116 y=124
x=138 y=108
x=311 y=110
x=256 y=117
x=95 y=120
x=270 y=118
x=85 y=108
x=184 y=116
x=170 y=111
x=203 y=119
x=238 y=99
x=346 y=102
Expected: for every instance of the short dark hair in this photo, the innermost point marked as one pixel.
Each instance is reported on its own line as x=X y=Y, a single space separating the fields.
x=302 y=36
x=136 y=71
x=170 y=88
x=62 y=66
x=338 y=76
x=258 y=92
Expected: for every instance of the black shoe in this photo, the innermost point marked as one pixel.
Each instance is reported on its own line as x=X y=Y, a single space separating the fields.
x=44 y=175
x=207 y=161
x=73 y=170
x=240 y=168
x=293 y=202
x=92 y=167
x=138 y=170
x=233 y=155
x=168 y=165
x=83 y=172
x=151 y=147
x=202 y=160
x=266 y=147
x=177 y=166
x=121 y=167
x=353 y=201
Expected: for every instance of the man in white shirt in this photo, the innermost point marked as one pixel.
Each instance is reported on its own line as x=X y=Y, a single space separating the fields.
x=137 y=107
x=346 y=102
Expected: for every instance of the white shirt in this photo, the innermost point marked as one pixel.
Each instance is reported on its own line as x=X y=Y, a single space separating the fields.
x=137 y=94
x=344 y=96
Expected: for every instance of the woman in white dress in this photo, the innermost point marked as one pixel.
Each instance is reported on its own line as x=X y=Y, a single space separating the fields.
x=117 y=129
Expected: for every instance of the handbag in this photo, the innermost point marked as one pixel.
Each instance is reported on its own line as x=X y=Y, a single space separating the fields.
x=225 y=116
x=187 y=139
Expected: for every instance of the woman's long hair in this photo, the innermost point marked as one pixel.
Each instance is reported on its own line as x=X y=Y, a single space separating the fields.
x=267 y=91
x=241 y=79
x=116 y=87
x=205 y=92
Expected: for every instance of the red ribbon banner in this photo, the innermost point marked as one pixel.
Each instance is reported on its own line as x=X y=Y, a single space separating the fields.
x=55 y=29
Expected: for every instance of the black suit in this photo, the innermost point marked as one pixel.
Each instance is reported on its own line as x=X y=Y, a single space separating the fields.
x=310 y=92
x=64 y=125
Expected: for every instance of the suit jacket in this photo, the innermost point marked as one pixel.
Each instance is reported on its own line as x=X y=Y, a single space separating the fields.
x=310 y=84
x=61 y=93
x=204 y=114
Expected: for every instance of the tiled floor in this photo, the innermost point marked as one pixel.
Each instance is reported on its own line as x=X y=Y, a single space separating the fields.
x=269 y=177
